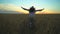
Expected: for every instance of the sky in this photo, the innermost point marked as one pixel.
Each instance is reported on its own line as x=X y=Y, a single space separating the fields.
x=50 y=6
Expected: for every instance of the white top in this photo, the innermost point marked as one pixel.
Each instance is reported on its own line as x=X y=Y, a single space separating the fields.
x=31 y=14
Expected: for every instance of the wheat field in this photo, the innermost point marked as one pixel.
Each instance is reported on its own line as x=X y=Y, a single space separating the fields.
x=17 y=24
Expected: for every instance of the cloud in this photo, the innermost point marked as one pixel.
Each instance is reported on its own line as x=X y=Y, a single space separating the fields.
x=11 y=7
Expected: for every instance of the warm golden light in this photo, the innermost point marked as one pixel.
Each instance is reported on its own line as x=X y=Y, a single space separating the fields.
x=12 y=7
x=38 y=12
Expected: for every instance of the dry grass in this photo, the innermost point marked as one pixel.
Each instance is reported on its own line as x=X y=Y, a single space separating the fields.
x=16 y=24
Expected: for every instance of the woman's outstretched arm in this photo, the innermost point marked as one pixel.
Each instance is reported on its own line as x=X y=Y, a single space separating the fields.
x=25 y=9
x=40 y=9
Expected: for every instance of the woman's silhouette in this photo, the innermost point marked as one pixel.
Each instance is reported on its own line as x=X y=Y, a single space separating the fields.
x=31 y=22
x=32 y=10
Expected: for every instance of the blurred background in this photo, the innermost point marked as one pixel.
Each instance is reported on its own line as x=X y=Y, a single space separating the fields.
x=14 y=20
x=14 y=6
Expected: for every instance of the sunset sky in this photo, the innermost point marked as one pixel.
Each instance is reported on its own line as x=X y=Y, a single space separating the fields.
x=51 y=6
